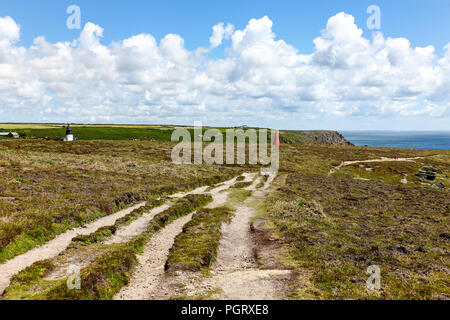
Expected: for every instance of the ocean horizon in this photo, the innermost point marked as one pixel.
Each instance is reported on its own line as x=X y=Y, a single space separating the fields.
x=438 y=140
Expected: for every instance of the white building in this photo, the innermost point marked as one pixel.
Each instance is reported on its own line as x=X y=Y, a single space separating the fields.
x=69 y=134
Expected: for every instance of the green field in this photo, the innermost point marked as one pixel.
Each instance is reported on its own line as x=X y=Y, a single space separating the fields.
x=91 y=132
x=149 y=133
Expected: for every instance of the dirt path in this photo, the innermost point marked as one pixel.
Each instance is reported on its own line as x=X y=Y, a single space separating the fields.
x=149 y=280
x=236 y=274
x=56 y=246
x=150 y=273
x=136 y=227
x=235 y=250
x=236 y=245
x=139 y=225
x=183 y=194
x=348 y=163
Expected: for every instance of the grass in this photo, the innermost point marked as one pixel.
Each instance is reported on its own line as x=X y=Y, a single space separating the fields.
x=320 y=159
x=195 y=249
x=49 y=187
x=240 y=185
x=98 y=133
x=331 y=228
x=109 y=271
x=210 y=294
x=237 y=196
x=149 y=132
x=91 y=132
x=334 y=228
x=15 y=126
x=394 y=172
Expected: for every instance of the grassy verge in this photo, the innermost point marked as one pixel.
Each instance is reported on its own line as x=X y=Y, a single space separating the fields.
x=239 y=185
x=103 y=278
x=196 y=247
x=237 y=196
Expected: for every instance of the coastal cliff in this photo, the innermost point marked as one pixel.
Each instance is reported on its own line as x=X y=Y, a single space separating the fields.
x=313 y=137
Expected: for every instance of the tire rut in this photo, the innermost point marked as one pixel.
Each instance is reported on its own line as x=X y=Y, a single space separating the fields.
x=54 y=247
x=150 y=274
x=149 y=281
x=235 y=275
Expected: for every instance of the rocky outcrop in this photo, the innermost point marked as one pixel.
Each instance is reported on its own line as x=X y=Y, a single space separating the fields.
x=439 y=185
x=313 y=137
x=427 y=173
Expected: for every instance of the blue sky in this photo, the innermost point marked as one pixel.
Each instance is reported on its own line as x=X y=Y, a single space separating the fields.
x=297 y=23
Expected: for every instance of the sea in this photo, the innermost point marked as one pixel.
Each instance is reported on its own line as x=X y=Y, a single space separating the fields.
x=439 y=140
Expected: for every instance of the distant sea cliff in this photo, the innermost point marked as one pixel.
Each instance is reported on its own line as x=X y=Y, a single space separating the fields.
x=313 y=137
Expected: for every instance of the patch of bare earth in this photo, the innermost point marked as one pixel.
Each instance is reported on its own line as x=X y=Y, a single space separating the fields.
x=247 y=267
x=135 y=228
x=149 y=276
x=150 y=280
x=83 y=257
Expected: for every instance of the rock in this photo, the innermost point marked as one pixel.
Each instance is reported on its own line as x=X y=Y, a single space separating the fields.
x=439 y=185
x=445 y=236
x=404 y=180
x=427 y=173
x=402 y=250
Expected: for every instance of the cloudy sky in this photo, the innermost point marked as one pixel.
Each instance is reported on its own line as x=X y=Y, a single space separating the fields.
x=284 y=64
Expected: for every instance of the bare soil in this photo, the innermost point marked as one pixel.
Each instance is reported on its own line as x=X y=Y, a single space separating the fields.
x=149 y=276
x=236 y=275
x=148 y=282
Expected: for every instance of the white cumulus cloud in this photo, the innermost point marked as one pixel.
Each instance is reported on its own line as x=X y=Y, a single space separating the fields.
x=261 y=78
x=220 y=32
